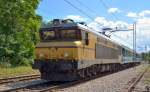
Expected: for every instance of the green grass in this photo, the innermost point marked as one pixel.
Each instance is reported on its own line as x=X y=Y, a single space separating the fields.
x=16 y=71
x=147 y=79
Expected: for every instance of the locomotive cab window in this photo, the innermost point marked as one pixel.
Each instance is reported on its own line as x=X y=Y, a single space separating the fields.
x=60 y=35
x=46 y=35
x=70 y=34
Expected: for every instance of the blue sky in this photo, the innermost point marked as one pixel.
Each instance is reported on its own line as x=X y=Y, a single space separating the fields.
x=50 y=9
x=126 y=11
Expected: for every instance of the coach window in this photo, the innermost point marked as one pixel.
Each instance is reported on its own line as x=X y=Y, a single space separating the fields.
x=86 y=39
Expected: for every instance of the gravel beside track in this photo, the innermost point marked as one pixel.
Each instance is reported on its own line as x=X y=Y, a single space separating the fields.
x=116 y=82
x=143 y=85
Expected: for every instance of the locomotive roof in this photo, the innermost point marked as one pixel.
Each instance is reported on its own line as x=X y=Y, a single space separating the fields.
x=85 y=28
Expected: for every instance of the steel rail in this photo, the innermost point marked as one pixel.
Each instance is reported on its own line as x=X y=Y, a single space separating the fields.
x=19 y=78
x=132 y=86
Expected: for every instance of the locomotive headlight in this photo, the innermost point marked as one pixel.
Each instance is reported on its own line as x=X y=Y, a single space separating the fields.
x=66 y=54
x=41 y=55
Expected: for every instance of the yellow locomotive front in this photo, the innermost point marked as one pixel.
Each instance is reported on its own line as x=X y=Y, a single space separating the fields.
x=57 y=44
x=58 y=52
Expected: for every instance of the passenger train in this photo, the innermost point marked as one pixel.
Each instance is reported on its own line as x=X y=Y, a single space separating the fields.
x=68 y=51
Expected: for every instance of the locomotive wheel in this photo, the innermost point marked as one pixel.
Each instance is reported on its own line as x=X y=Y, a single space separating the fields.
x=81 y=73
x=89 y=73
x=93 y=69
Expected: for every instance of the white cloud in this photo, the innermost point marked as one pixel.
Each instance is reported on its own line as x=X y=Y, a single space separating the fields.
x=144 y=13
x=132 y=15
x=76 y=18
x=126 y=37
x=143 y=25
x=113 y=10
x=101 y=22
x=142 y=34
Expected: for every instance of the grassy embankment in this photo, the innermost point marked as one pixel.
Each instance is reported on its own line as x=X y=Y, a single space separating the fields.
x=148 y=74
x=16 y=71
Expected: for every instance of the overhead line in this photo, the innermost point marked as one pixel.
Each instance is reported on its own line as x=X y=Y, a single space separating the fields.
x=122 y=39
x=83 y=12
x=87 y=7
x=105 y=6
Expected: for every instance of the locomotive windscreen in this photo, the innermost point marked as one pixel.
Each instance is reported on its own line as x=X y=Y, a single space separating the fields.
x=60 y=35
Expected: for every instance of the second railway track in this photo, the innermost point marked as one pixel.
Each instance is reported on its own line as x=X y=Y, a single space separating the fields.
x=19 y=78
x=135 y=81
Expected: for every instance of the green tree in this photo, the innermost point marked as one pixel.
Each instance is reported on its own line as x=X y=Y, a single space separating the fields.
x=146 y=56
x=19 y=25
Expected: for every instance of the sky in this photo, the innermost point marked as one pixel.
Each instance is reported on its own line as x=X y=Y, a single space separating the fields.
x=105 y=13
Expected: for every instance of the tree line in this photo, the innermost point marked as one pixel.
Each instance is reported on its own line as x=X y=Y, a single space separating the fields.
x=146 y=56
x=19 y=26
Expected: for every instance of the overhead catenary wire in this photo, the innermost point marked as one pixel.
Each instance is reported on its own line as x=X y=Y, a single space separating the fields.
x=122 y=39
x=80 y=10
x=83 y=12
x=88 y=8
x=106 y=7
x=92 y=10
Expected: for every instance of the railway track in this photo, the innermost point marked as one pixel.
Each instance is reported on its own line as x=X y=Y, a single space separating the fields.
x=18 y=78
x=51 y=86
x=69 y=84
x=135 y=82
x=129 y=89
x=25 y=86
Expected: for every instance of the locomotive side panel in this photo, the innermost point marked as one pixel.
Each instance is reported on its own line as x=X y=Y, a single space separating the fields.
x=89 y=46
x=87 y=52
x=103 y=52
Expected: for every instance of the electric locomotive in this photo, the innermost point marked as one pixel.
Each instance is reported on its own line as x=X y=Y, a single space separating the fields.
x=68 y=51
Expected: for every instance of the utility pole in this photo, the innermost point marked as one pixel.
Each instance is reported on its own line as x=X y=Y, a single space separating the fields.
x=134 y=41
x=135 y=38
x=145 y=48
